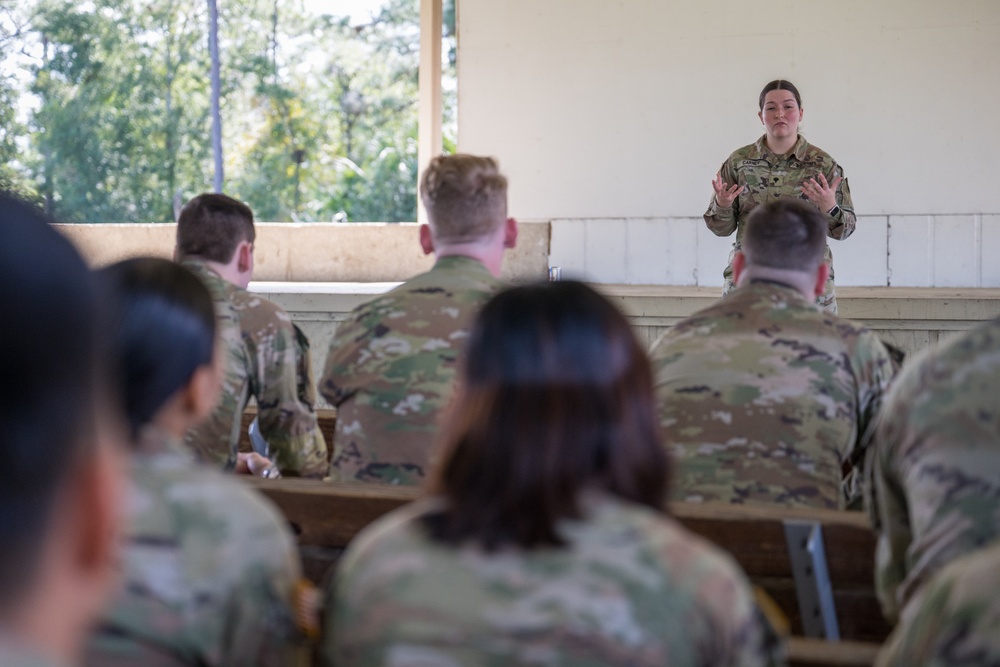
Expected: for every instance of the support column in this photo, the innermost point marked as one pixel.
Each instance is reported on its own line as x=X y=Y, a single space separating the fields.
x=429 y=119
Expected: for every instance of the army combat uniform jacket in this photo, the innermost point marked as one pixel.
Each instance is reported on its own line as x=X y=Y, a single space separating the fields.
x=14 y=653
x=765 y=398
x=391 y=370
x=265 y=356
x=766 y=177
x=935 y=492
x=956 y=619
x=631 y=587
x=209 y=571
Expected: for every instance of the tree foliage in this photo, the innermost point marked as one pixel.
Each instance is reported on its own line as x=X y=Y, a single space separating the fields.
x=319 y=112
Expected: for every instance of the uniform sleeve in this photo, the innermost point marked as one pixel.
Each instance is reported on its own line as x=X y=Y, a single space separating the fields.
x=874 y=372
x=955 y=621
x=722 y=221
x=283 y=386
x=262 y=626
x=351 y=363
x=741 y=636
x=843 y=224
x=887 y=504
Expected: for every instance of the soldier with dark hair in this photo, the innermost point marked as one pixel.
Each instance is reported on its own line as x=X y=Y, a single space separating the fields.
x=391 y=366
x=62 y=468
x=265 y=354
x=210 y=567
x=765 y=398
x=545 y=538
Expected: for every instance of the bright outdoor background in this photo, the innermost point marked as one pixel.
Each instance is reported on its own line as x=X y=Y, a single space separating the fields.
x=105 y=106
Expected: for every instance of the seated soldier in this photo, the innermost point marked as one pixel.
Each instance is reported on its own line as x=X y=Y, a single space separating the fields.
x=954 y=618
x=544 y=537
x=62 y=465
x=764 y=398
x=935 y=473
x=391 y=366
x=266 y=355
x=210 y=567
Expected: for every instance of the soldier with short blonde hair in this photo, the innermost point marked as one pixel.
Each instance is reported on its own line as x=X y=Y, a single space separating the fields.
x=391 y=366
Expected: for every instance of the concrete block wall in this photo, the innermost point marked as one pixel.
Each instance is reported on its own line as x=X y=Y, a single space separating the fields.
x=894 y=250
x=313 y=252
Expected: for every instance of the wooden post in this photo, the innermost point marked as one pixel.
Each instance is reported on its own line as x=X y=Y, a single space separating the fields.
x=213 y=48
x=429 y=118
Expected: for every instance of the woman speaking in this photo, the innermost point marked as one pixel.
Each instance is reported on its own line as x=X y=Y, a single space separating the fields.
x=780 y=164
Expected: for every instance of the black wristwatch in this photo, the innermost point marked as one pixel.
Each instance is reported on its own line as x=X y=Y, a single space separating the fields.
x=834 y=212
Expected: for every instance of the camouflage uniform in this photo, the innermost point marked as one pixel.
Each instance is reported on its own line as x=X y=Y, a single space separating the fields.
x=935 y=492
x=266 y=356
x=391 y=370
x=765 y=398
x=767 y=177
x=209 y=571
x=956 y=619
x=631 y=588
x=13 y=653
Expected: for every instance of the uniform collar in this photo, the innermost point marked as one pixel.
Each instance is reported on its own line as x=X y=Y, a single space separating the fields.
x=456 y=261
x=762 y=151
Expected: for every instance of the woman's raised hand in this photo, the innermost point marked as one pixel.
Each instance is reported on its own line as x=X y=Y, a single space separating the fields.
x=821 y=193
x=725 y=194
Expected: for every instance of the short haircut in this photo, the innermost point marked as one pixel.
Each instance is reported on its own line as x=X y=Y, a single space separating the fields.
x=785 y=234
x=210 y=226
x=555 y=397
x=50 y=361
x=465 y=197
x=164 y=330
x=779 y=84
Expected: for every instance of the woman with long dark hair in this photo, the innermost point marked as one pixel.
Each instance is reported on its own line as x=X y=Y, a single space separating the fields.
x=544 y=539
x=210 y=567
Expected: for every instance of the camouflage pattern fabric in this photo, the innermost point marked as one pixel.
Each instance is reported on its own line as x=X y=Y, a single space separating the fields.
x=956 y=619
x=13 y=653
x=265 y=356
x=391 y=371
x=935 y=487
x=209 y=571
x=765 y=398
x=632 y=587
x=766 y=177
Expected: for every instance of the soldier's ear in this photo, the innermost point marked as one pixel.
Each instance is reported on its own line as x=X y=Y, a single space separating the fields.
x=244 y=253
x=510 y=233
x=822 y=273
x=739 y=265
x=426 y=239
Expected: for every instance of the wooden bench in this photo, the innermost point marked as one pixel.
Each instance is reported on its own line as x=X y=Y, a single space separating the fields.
x=326 y=516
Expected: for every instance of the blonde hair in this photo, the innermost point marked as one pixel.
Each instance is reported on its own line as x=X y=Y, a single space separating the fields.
x=465 y=197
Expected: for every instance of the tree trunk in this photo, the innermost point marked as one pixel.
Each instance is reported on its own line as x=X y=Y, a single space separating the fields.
x=213 y=48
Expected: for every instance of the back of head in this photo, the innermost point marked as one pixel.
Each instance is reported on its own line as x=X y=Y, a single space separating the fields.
x=785 y=234
x=210 y=226
x=465 y=197
x=556 y=395
x=165 y=331
x=49 y=361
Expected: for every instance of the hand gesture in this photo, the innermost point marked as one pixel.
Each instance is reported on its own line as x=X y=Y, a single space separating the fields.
x=252 y=464
x=821 y=193
x=725 y=194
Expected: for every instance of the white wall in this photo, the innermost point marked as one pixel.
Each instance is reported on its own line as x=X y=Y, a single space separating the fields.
x=616 y=112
